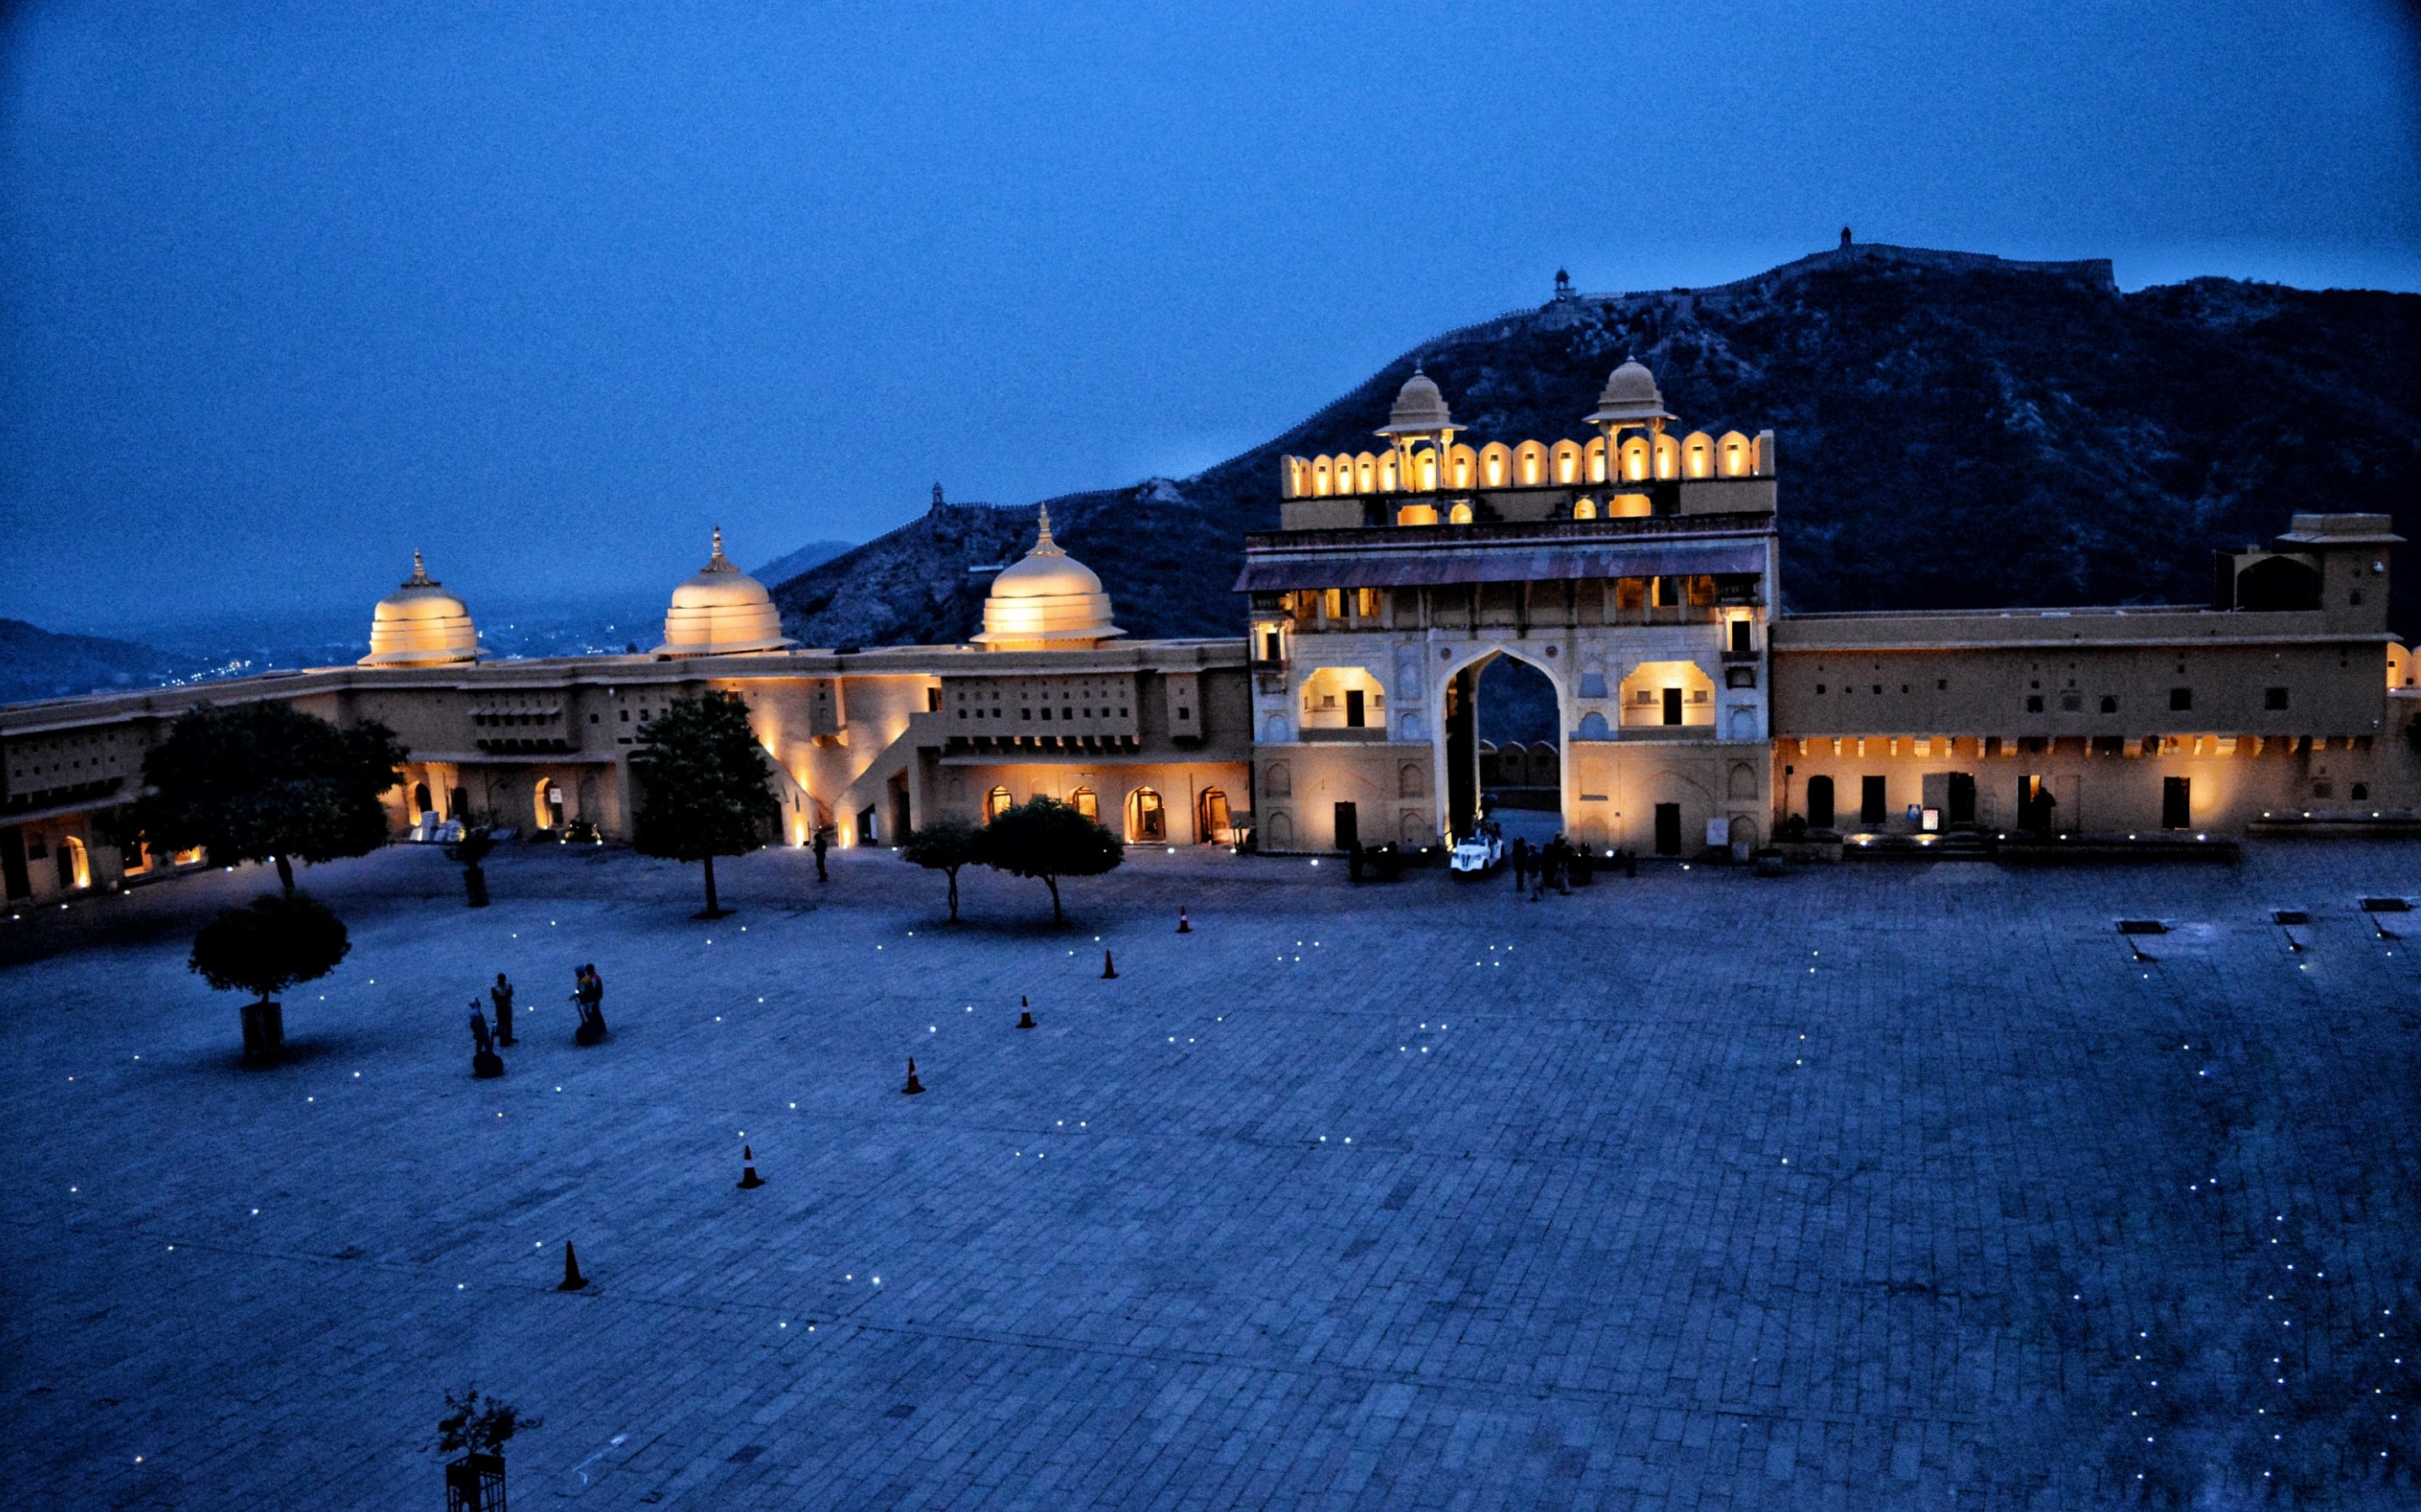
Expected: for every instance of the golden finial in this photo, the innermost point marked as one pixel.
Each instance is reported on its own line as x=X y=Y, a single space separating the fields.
x=718 y=562
x=420 y=578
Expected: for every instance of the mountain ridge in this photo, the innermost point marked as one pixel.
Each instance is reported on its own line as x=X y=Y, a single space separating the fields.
x=1957 y=430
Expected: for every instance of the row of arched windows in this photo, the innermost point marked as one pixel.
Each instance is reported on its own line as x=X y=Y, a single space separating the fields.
x=1636 y=458
x=1146 y=816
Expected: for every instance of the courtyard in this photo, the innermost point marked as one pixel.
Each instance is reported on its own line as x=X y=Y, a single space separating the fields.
x=1874 y=1185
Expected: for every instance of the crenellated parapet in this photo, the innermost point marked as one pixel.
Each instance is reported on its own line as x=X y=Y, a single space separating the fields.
x=1634 y=466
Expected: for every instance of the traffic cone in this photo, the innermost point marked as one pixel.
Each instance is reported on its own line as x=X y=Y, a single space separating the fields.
x=1109 y=967
x=748 y=1177
x=914 y=1085
x=572 y=1279
x=1024 y=1015
x=1183 y=925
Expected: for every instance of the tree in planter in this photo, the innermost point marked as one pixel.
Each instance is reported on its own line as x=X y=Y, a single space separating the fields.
x=467 y=852
x=264 y=782
x=268 y=945
x=477 y=1429
x=1045 y=839
x=706 y=786
x=943 y=846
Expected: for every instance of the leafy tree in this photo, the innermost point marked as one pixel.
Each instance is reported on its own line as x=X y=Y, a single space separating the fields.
x=1045 y=839
x=468 y=853
x=480 y=1426
x=943 y=846
x=706 y=786
x=269 y=945
x=264 y=782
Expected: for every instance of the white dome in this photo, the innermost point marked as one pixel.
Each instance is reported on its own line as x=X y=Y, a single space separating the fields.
x=1048 y=600
x=1419 y=409
x=721 y=610
x=1631 y=396
x=420 y=624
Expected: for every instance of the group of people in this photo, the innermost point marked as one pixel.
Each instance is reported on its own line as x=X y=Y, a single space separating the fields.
x=1559 y=865
x=587 y=997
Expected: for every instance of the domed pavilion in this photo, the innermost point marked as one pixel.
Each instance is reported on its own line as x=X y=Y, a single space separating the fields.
x=1047 y=601
x=720 y=611
x=420 y=624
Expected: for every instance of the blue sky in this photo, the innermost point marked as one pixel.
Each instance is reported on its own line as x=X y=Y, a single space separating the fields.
x=547 y=290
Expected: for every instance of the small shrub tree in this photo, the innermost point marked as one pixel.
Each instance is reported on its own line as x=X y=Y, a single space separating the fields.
x=706 y=786
x=1046 y=840
x=268 y=945
x=264 y=782
x=474 y=1425
x=943 y=846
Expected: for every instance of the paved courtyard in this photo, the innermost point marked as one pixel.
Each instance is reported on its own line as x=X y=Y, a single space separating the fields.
x=1875 y=1186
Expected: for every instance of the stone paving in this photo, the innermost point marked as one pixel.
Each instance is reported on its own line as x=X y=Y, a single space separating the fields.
x=1864 y=1187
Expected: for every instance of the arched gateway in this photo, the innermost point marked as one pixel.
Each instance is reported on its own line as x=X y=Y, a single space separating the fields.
x=1376 y=609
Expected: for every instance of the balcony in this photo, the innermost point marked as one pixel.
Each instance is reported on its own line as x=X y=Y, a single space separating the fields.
x=1340 y=735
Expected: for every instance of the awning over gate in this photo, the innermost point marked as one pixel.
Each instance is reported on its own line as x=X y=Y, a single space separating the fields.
x=1530 y=563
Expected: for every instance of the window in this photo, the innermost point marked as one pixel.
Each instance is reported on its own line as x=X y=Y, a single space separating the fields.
x=2109 y=705
x=1086 y=803
x=2034 y=703
x=1819 y=690
x=2181 y=699
x=2273 y=697
x=2071 y=702
x=996 y=803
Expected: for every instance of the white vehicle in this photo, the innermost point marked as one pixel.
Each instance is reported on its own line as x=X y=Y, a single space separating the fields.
x=1477 y=856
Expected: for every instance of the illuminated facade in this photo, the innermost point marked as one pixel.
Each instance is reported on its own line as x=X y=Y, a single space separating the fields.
x=1636 y=572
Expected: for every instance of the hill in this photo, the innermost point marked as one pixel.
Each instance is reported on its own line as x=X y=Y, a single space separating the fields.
x=1955 y=431
x=39 y=664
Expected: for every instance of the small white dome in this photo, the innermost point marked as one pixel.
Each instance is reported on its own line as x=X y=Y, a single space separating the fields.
x=1630 y=396
x=420 y=624
x=721 y=610
x=1047 y=601
x=1419 y=408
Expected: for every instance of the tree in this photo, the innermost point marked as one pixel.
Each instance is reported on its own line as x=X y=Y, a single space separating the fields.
x=1045 y=839
x=467 y=852
x=268 y=945
x=264 y=782
x=706 y=786
x=943 y=846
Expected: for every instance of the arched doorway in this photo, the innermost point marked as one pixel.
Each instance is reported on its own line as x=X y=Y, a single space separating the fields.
x=1088 y=803
x=1147 y=819
x=549 y=804
x=1211 y=822
x=997 y=802
x=75 y=865
x=1512 y=705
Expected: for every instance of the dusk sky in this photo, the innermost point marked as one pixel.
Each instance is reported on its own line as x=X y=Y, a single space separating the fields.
x=546 y=291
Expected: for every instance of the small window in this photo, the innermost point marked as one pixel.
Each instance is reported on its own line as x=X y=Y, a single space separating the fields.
x=1819 y=690
x=1026 y=713
x=2359 y=790
x=2273 y=697
x=2109 y=704
x=2034 y=703
x=2181 y=699
x=2071 y=702
x=1942 y=685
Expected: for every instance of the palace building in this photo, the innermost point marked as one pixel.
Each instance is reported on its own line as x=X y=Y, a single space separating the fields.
x=1637 y=571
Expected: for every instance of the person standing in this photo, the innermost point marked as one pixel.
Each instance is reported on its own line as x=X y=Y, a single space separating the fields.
x=1521 y=863
x=502 y=996
x=824 y=838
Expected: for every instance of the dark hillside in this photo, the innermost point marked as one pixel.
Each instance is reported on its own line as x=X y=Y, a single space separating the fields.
x=1954 y=430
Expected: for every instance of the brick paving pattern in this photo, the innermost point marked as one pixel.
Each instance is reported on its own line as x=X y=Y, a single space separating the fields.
x=1858 y=1187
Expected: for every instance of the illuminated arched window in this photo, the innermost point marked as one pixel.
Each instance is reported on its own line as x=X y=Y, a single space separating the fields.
x=1634 y=459
x=1585 y=509
x=997 y=802
x=1459 y=515
x=1147 y=820
x=1085 y=802
x=1735 y=454
x=1668 y=456
x=1698 y=455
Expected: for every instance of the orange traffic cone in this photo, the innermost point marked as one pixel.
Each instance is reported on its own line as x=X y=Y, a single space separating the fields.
x=1109 y=967
x=1184 y=925
x=748 y=1177
x=1024 y=1015
x=914 y=1085
x=572 y=1279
